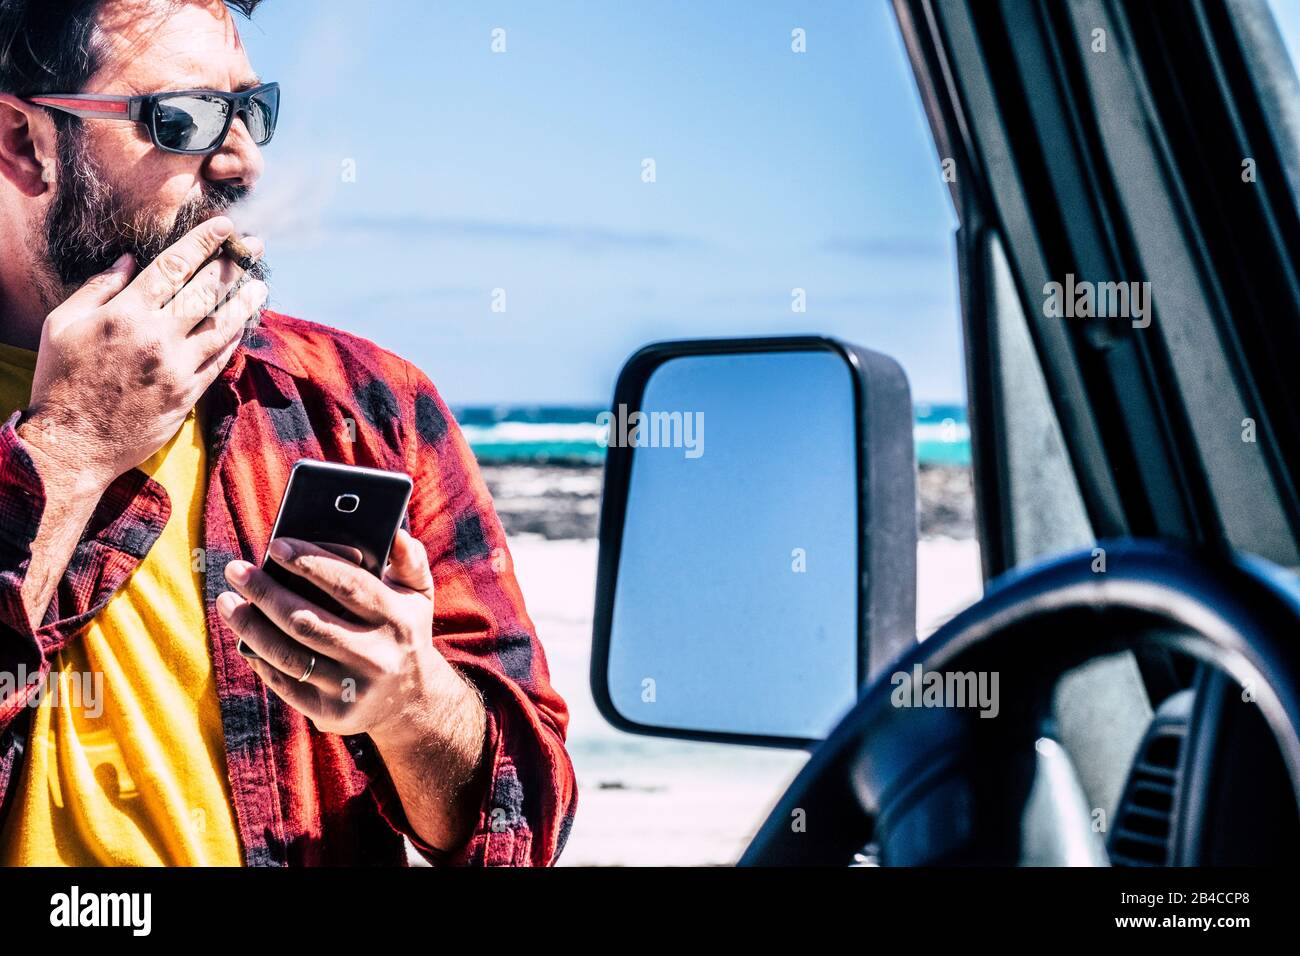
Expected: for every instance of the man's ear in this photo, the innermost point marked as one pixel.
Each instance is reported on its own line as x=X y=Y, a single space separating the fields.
x=27 y=146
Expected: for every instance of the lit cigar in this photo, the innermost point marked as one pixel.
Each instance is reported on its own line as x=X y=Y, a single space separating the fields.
x=239 y=253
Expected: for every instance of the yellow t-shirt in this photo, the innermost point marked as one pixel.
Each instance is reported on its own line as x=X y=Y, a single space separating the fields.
x=126 y=761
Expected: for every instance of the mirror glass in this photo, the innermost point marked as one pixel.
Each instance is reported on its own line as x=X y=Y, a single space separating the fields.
x=736 y=601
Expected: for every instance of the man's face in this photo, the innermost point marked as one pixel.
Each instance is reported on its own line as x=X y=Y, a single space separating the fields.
x=116 y=192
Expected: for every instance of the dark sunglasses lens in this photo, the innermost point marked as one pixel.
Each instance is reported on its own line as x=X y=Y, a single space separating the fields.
x=263 y=108
x=190 y=122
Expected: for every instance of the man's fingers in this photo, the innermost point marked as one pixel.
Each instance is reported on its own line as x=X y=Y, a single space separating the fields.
x=207 y=373
x=227 y=322
x=168 y=273
x=343 y=551
x=309 y=625
x=355 y=588
x=192 y=307
x=275 y=647
x=408 y=565
x=302 y=697
x=211 y=286
x=103 y=286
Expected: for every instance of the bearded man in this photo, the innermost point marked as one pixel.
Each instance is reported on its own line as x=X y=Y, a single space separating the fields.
x=162 y=699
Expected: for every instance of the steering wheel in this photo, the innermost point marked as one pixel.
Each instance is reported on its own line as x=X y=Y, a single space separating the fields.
x=945 y=785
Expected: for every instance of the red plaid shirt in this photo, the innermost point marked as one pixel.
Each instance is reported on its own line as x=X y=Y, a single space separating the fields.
x=301 y=797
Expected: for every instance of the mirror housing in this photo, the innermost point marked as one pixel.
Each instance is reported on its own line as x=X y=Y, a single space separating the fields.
x=750 y=587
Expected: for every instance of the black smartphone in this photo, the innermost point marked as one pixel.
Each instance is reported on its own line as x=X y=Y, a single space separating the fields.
x=348 y=509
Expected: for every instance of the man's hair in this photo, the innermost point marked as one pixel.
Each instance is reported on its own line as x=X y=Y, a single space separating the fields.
x=49 y=46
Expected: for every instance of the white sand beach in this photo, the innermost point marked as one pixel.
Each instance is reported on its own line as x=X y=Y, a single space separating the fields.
x=645 y=801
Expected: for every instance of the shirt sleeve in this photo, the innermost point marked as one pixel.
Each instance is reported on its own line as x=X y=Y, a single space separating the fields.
x=125 y=524
x=22 y=503
x=482 y=628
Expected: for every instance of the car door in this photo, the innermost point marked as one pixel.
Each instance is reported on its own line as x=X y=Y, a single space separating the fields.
x=1115 y=146
x=1111 y=143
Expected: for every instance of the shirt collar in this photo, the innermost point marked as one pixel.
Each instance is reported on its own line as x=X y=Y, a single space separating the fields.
x=264 y=344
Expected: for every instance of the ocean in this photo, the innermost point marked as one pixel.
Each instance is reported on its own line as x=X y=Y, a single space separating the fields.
x=569 y=434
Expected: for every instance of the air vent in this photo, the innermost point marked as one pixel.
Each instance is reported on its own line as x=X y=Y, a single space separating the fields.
x=1144 y=823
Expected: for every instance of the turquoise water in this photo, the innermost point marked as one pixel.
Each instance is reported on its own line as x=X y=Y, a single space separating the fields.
x=570 y=433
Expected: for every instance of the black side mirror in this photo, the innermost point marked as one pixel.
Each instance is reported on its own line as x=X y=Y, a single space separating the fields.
x=757 y=538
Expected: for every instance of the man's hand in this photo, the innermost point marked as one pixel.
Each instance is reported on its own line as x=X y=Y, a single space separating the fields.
x=379 y=674
x=122 y=361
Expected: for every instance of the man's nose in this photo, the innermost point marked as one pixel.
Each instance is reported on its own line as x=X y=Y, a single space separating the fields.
x=238 y=161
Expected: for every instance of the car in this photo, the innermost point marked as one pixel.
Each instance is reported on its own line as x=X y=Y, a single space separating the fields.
x=1127 y=690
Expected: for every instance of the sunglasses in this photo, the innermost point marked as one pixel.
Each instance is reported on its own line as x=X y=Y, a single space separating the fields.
x=193 y=122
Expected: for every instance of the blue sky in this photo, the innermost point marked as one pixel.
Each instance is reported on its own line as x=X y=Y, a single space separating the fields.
x=1287 y=15
x=522 y=171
